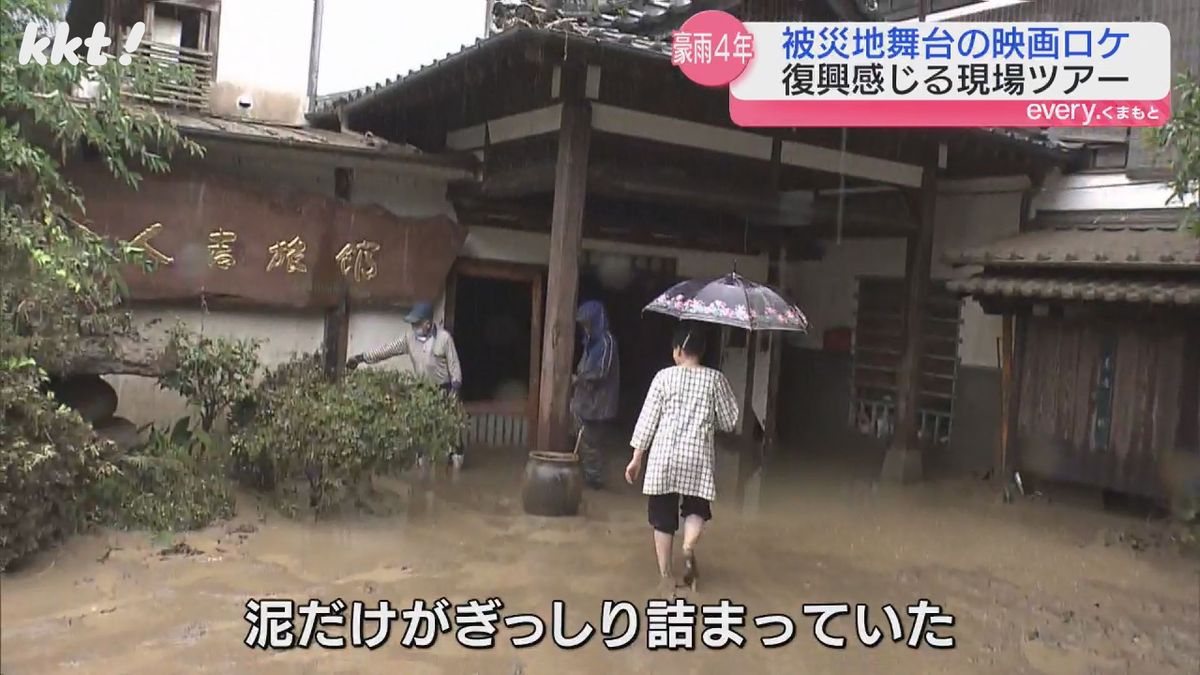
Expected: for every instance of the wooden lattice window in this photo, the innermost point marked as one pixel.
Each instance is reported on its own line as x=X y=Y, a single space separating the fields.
x=878 y=343
x=181 y=33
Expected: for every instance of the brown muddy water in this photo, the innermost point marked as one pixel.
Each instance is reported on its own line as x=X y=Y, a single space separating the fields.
x=1035 y=587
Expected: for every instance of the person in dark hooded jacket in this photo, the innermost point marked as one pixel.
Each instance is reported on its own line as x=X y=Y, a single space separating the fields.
x=595 y=388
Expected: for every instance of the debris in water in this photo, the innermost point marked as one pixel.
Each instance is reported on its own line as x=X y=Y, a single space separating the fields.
x=181 y=548
x=104 y=558
x=244 y=528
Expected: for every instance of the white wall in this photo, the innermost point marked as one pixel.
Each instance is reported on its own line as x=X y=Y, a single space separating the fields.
x=283 y=336
x=968 y=220
x=368 y=41
x=1103 y=190
x=825 y=289
x=262 y=54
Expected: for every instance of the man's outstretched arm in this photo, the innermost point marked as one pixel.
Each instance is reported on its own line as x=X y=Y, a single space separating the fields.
x=397 y=347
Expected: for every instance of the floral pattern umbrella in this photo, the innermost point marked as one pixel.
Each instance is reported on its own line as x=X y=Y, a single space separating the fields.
x=730 y=300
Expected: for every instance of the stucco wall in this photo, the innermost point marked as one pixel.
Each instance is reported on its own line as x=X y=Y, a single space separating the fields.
x=283 y=335
x=262 y=56
x=825 y=288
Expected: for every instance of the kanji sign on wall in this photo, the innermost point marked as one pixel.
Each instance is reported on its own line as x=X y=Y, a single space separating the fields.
x=949 y=74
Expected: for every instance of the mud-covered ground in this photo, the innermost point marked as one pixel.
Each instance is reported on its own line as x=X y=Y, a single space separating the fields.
x=1037 y=586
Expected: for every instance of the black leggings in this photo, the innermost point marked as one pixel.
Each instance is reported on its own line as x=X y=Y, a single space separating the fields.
x=666 y=510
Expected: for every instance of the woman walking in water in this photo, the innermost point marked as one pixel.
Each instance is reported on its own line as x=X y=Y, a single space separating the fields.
x=684 y=406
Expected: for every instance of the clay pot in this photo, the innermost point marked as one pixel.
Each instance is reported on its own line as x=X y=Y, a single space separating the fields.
x=553 y=484
x=120 y=431
x=94 y=398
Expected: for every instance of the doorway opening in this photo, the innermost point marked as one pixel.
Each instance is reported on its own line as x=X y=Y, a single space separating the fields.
x=625 y=284
x=493 y=320
x=495 y=310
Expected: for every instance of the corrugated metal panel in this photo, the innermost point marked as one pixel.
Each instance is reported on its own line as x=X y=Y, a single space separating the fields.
x=497 y=430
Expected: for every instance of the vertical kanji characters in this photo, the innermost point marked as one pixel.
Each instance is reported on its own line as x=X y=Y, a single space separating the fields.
x=358 y=260
x=142 y=242
x=220 y=249
x=288 y=254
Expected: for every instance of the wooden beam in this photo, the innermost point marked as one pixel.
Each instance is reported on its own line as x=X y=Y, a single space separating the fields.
x=566 y=239
x=662 y=129
x=625 y=182
x=511 y=128
x=763 y=207
x=903 y=461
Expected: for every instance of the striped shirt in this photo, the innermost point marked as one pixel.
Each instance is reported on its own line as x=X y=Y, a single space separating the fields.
x=435 y=359
x=683 y=409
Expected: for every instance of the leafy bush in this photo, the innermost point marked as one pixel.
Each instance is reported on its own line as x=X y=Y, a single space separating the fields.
x=303 y=432
x=213 y=374
x=1180 y=137
x=60 y=287
x=49 y=457
x=173 y=482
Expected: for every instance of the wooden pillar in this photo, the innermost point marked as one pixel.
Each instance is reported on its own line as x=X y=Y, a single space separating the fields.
x=771 y=423
x=566 y=238
x=903 y=461
x=336 y=338
x=748 y=451
x=1006 y=393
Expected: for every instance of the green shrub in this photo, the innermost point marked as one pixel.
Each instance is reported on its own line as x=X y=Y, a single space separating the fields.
x=212 y=373
x=172 y=482
x=301 y=432
x=49 y=460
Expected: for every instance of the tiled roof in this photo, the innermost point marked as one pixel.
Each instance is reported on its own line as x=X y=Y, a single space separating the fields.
x=1112 y=240
x=517 y=19
x=311 y=138
x=1095 y=287
x=573 y=32
x=654 y=18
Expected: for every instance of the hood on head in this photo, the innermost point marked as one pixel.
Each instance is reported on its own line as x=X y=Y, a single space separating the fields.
x=592 y=316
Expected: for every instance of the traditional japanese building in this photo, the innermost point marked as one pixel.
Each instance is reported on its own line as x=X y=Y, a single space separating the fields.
x=279 y=228
x=564 y=158
x=607 y=174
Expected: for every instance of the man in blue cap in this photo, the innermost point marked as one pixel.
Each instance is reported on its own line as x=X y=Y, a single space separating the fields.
x=431 y=350
x=595 y=388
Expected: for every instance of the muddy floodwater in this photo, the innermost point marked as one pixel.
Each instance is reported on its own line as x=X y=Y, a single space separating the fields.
x=1037 y=586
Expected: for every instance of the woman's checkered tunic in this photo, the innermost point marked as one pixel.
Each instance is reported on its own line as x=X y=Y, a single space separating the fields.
x=683 y=408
